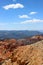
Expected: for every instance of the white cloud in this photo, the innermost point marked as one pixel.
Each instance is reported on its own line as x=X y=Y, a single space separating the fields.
x=32 y=21
x=14 y=6
x=31 y=13
x=24 y=16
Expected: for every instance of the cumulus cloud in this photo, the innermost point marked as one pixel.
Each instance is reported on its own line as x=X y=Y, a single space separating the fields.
x=31 y=21
x=24 y=16
x=14 y=6
x=31 y=13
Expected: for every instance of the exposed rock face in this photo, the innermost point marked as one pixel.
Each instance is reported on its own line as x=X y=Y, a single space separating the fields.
x=27 y=51
x=27 y=55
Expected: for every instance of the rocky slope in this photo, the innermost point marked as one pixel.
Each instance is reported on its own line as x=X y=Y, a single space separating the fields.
x=15 y=52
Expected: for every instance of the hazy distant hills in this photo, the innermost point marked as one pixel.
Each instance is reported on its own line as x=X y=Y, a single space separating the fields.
x=18 y=34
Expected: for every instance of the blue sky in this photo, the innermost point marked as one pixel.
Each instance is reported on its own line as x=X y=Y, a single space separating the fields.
x=21 y=14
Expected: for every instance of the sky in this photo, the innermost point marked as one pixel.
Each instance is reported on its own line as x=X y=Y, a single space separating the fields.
x=21 y=14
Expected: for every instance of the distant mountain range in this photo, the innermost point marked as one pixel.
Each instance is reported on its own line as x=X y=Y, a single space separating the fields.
x=18 y=34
